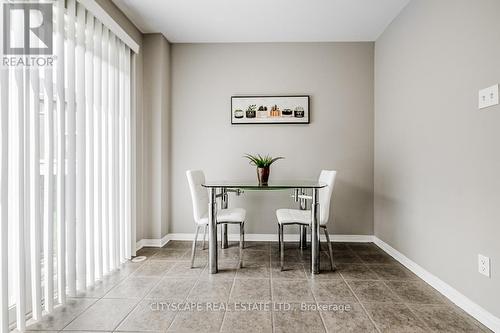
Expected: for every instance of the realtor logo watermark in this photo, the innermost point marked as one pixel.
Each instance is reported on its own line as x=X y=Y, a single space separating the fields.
x=27 y=34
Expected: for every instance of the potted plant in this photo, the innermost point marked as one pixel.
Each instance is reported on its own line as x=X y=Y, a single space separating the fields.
x=263 y=165
x=251 y=111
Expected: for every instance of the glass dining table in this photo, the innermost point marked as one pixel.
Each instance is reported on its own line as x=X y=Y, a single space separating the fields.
x=220 y=189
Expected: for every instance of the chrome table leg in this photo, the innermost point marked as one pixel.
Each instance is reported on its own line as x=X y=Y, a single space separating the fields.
x=315 y=232
x=212 y=231
x=303 y=228
x=223 y=205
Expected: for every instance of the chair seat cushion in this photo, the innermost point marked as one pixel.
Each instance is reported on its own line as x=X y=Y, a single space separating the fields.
x=294 y=216
x=227 y=215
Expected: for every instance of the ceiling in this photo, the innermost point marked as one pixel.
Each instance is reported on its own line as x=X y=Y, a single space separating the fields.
x=214 y=21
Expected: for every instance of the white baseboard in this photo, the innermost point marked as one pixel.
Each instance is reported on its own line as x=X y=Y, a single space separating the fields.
x=250 y=237
x=152 y=242
x=473 y=309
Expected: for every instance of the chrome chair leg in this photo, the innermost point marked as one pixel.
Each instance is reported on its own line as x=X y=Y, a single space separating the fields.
x=194 y=245
x=243 y=227
x=282 y=248
x=303 y=237
x=279 y=239
x=204 y=236
x=330 y=250
x=242 y=241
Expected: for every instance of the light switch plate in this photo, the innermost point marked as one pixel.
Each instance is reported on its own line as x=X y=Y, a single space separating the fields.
x=488 y=97
x=483 y=265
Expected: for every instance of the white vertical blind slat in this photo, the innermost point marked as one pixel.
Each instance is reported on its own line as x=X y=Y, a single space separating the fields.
x=133 y=152
x=121 y=150
x=81 y=279
x=89 y=113
x=111 y=165
x=27 y=205
x=97 y=150
x=35 y=209
x=48 y=233
x=71 y=151
x=127 y=163
x=4 y=226
x=61 y=153
x=116 y=148
x=16 y=195
x=105 y=156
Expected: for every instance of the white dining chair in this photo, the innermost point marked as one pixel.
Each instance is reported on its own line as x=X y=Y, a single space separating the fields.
x=199 y=196
x=303 y=217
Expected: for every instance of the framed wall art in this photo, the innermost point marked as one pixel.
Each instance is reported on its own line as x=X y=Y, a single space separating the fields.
x=292 y=109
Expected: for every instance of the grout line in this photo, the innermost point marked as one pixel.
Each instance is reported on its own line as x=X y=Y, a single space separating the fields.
x=309 y=283
x=406 y=305
x=361 y=304
x=185 y=298
x=228 y=298
x=139 y=302
x=273 y=324
x=102 y=297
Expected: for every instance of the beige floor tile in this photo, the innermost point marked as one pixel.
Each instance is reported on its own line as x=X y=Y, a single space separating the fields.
x=180 y=244
x=356 y=272
x=331 y=291
x=444 y=319
x=290 y=271
x=197 y=321
x=147 y=316
x=345 y=257
x=248 y=321
x=373 y=291
x=377 y=257
x=253 y=256
x=255 y=271
x=291 y=291
x=104 y=315
x=211 y=291
x=395 y=318
x=174 y=254
x=226 y=270
x=251 y=290
x=346 y=317
x=62 y=315
x=393 y=271
x=153 y=268
x=172 y=289
x=259 y=246
x=183 y=269
x=133 y=287
x=147 y=251
x=415 y=292
x=297 y=321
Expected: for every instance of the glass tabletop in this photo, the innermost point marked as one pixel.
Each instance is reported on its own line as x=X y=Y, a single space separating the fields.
x=273 y=185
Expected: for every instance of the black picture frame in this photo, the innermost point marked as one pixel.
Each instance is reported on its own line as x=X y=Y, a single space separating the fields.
x=297 y=108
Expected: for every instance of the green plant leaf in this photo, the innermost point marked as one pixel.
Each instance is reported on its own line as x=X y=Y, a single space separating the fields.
x=261 y=161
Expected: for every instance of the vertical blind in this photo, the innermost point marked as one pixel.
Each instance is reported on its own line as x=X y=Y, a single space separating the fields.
x=65 y=168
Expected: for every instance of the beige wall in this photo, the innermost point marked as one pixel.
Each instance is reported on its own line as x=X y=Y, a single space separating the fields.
x=437 y=157
x=339 y=78
x=156 y=136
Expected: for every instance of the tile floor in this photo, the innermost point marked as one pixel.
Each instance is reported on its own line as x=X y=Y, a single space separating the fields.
x=369 y=292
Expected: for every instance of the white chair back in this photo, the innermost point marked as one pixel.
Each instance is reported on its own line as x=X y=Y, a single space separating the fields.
x=199 y=194
x=325 y=194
